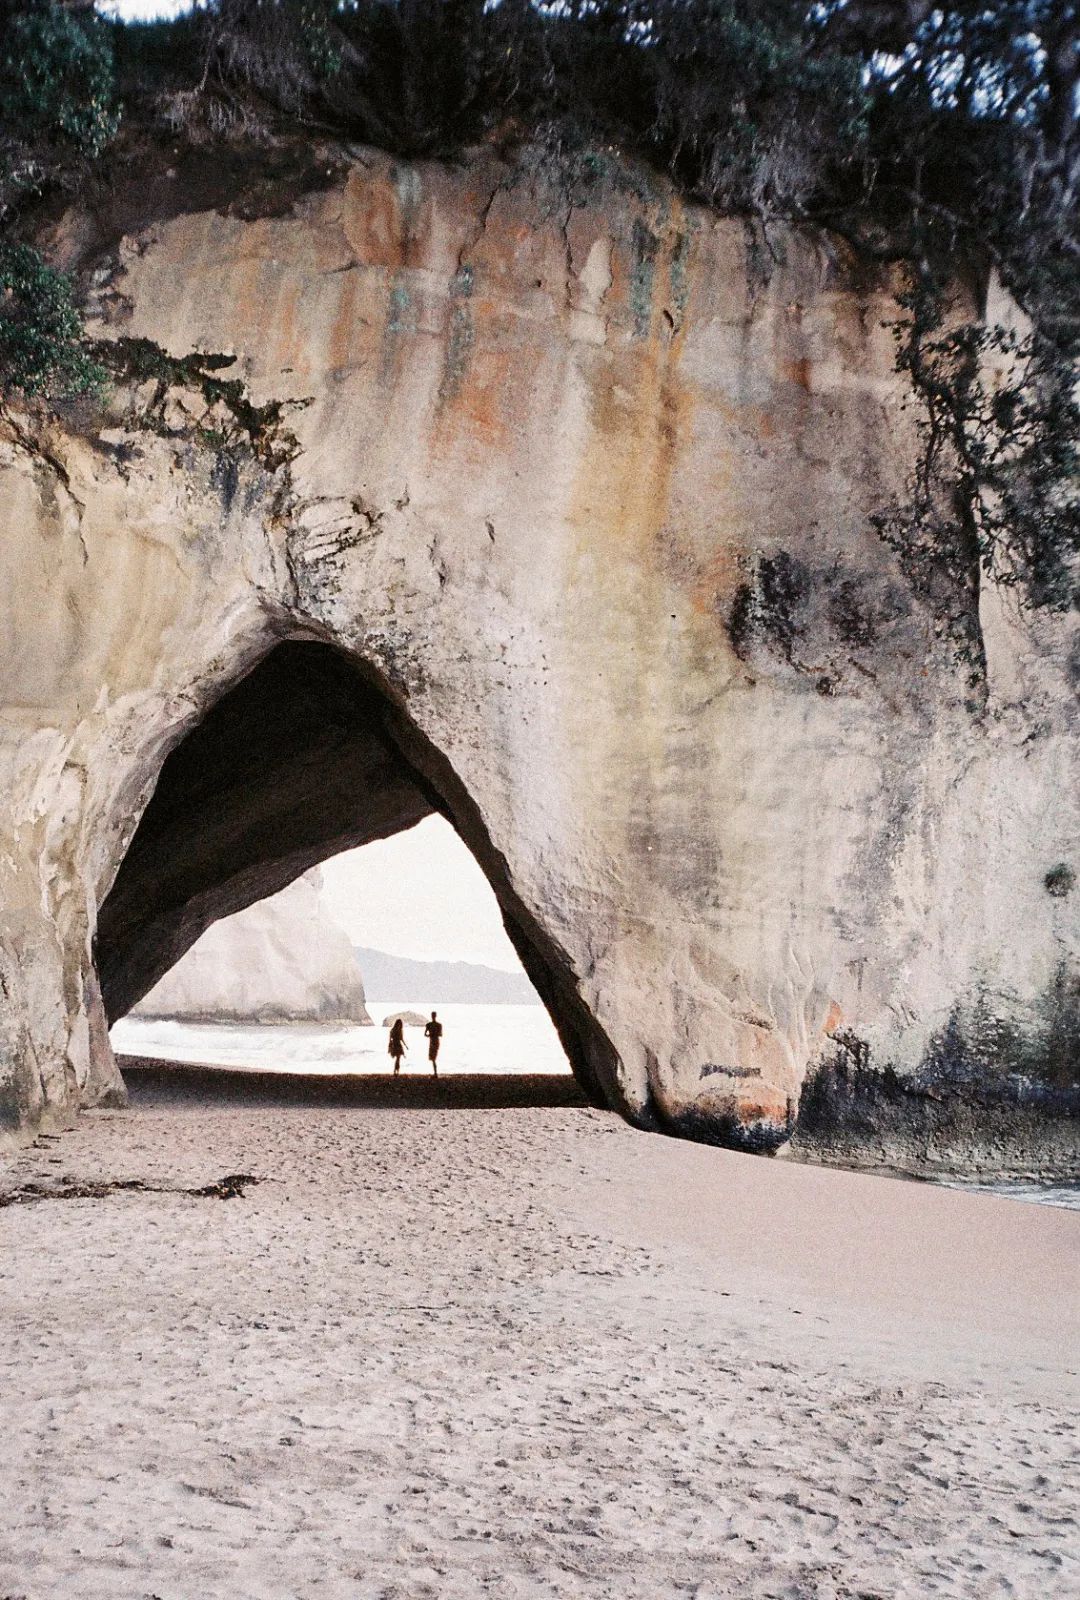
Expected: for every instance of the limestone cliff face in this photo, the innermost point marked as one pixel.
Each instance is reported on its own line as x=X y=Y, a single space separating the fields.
x=566 y=518
x=281 y=960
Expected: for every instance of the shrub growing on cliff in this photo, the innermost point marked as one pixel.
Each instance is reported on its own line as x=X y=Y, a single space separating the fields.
x=976 y=157
x=56 y=79
x=58 y=110
x=57 y=93
x=41 y=346
x=997 y=486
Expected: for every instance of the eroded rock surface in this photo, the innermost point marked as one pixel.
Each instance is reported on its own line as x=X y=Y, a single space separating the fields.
x=283 y=959
x=581 y=483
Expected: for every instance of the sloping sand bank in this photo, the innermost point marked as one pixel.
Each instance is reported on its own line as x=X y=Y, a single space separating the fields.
x=520 y=1351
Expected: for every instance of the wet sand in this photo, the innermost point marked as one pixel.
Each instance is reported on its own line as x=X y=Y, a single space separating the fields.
x=470 y=1346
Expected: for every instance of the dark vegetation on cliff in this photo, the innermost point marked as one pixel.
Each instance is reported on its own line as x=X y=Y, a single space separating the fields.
x=945 y=136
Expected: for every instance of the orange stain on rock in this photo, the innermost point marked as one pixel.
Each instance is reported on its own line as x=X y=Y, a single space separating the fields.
x=485 y=405
x=639 y=408
x=290 y=340
x=834 y=1018
x=624 y=475
x=343 y=329
x=799 y=371
x=716 y=580
x=379 y=227
x=244 y=288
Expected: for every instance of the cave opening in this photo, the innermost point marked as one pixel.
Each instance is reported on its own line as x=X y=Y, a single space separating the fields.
x=308 y=757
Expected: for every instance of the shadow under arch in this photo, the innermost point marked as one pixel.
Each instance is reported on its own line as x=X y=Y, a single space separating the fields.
x=310 y=753
x=155 y=1082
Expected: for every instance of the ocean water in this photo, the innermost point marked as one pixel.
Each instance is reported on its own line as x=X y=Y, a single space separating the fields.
x=511 y=1039
x=1066 y=1195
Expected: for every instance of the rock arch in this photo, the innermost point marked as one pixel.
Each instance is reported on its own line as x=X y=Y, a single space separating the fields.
x=581 y=483
x=307 y=755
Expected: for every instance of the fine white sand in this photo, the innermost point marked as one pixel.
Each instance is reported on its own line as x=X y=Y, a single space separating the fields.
x=521 y=1352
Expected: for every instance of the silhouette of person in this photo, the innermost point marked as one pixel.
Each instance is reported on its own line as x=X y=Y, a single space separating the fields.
x=433 y=1035
x=397 y=1046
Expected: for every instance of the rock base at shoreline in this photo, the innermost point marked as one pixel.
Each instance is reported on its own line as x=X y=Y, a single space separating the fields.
x=1001 y=1128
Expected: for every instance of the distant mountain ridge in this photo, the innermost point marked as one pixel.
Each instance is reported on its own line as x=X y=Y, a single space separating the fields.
x=405 y=981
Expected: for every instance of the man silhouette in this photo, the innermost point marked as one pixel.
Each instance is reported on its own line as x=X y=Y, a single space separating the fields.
x=433 y=1035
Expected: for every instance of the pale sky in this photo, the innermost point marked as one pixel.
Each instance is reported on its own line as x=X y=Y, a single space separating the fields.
x=132 y=9
x=419 y=894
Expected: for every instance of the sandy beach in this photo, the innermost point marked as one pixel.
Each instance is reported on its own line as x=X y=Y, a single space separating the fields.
x=449 y=1349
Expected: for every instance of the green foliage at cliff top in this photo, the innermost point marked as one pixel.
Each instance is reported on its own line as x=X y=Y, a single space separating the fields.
x=944 y=128
x=57 y=93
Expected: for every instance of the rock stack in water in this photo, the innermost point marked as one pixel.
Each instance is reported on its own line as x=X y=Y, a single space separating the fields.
x=283 y=959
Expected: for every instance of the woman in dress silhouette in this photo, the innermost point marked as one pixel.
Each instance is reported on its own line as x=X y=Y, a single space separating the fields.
x=397 y=1046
